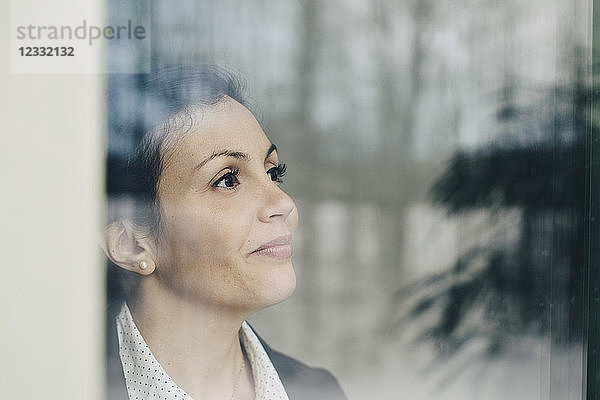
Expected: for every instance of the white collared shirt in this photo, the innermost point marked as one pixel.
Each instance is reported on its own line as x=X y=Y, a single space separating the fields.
x=146 y=379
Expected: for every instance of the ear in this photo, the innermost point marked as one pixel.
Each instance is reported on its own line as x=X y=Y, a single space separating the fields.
x=128 y=247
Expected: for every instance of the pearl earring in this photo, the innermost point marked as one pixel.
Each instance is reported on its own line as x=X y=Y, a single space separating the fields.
x=143 y=265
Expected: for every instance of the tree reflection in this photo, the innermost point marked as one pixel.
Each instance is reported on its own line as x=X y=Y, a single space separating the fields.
x=532 y=283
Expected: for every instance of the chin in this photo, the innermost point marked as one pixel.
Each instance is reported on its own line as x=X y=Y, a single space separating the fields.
x=280 y=287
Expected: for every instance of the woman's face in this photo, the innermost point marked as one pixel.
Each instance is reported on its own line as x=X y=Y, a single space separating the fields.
x=226 y=223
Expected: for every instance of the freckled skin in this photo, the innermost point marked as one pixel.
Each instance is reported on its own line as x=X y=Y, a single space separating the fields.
x=209 y=233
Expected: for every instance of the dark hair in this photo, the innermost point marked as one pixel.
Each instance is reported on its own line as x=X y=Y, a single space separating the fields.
x=163 y=94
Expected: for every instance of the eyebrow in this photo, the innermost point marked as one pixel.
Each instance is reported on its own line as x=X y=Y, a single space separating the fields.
x=233 y=154
x=271 y=149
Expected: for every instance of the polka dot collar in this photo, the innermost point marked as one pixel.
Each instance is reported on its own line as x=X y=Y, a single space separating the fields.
x=146 y=379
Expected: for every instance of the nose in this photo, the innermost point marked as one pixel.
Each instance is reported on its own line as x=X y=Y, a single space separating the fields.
x=278 y=205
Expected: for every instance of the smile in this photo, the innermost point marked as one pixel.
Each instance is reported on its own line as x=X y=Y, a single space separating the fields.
x=281 y=247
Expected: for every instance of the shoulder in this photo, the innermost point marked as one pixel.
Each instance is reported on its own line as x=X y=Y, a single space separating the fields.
x=301 y=381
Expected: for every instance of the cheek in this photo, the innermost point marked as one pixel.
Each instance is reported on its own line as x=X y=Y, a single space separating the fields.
x=229 y=224
x=203 y=252
x=204 y=234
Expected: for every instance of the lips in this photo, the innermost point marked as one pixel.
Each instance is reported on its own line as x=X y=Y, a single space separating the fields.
x=280 y=247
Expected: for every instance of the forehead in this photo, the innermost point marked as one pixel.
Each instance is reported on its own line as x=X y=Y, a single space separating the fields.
x=227 y=125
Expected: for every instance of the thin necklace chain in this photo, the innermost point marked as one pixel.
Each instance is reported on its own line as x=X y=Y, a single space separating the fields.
x=238 y=379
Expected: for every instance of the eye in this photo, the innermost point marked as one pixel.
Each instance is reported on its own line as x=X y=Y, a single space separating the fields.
x=276 y=173
x=229 y=180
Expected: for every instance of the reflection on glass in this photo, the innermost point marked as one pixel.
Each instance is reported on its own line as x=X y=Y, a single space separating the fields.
x=436 y=155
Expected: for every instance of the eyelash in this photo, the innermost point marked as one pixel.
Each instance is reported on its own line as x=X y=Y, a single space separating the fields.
x=233 y=174
x=280 y=171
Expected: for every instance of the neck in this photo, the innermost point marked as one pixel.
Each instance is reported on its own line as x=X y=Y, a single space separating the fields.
x=196 y=343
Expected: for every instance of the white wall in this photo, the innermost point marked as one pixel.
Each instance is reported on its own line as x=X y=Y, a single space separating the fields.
x=51 y=272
